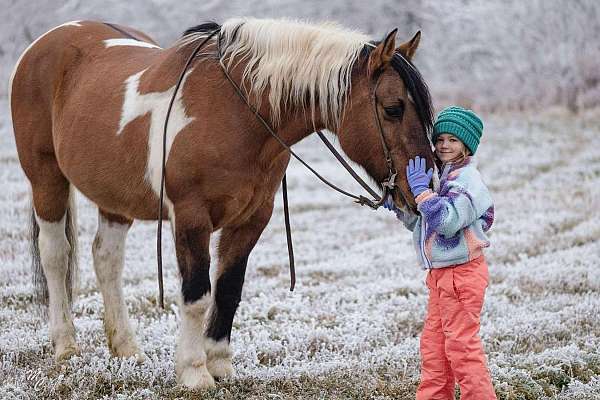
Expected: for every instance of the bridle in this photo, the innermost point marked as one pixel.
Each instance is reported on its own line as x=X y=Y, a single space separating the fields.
x=388 y=184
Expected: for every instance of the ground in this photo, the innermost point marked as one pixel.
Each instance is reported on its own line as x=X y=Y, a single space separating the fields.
x=351 y=328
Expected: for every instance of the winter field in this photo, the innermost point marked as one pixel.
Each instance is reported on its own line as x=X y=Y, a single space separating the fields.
x=351 y=328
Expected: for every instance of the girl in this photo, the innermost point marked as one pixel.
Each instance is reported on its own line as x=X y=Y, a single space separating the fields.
x=449 y=235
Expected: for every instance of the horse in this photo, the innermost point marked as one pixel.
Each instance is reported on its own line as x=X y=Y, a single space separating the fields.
x=88 y=100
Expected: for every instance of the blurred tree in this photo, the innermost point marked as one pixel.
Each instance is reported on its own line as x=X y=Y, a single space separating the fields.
x=481 y=53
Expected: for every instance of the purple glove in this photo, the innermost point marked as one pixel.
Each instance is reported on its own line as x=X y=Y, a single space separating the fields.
x=418 y=179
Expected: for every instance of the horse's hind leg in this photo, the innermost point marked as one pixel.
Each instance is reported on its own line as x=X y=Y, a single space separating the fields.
x=235 y=246
x=108 y=251
x=53 y=216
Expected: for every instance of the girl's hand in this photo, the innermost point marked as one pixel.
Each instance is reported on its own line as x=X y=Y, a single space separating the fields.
x=418 y=179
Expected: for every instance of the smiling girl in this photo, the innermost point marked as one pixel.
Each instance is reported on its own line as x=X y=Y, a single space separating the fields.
x=449 y=235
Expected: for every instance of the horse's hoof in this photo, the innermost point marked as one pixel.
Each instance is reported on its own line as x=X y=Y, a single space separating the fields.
x=130 y=349
x=220 y=367
x=139 y=356
x=196 y=377
x=218 y=356
x=64 y=352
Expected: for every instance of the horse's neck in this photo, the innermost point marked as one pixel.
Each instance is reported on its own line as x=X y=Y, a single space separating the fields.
x=294 y=126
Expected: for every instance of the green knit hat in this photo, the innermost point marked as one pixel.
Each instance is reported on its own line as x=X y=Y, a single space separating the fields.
x=460 y=122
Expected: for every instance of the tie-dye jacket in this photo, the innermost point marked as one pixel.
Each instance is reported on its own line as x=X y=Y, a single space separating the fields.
x=452 y=223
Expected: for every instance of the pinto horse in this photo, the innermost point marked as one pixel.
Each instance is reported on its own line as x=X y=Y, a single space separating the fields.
x=88 y=102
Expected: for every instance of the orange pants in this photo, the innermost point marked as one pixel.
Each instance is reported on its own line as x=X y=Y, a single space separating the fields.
x=451 y=349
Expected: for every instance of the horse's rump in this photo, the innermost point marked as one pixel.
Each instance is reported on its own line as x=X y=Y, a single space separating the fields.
x=74 y=77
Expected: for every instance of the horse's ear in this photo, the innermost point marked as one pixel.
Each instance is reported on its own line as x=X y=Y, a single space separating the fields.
x=382 y=54
x=409 y=48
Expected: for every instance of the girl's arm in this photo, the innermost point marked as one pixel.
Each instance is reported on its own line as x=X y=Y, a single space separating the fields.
x=458 y=205
x=409 y=220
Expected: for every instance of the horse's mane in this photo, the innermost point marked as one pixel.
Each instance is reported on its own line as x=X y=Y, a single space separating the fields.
x=303 y=63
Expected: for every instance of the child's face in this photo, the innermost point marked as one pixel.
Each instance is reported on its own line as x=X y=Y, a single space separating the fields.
x=448 y=147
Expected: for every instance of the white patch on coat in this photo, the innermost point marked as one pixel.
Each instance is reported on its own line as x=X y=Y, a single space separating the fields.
x=129 y=42
x=14 y=71
x=190 y=362
x=108 y=252
x=54 y=252
x=136 y=105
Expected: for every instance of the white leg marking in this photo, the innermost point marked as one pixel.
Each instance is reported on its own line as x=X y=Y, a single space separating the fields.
x=14 y=72
x=109 y=252
x=190 y=363
x=54 y=252
x=129 y=42
x=156 y=103
x=218 y=358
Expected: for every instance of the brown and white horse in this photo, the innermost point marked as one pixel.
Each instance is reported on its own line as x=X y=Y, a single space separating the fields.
x=88 y=103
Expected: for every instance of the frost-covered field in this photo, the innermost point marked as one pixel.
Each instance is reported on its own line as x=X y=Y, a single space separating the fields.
x=351 y=328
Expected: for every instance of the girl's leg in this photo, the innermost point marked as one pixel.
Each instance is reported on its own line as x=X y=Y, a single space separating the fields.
x=462 y=291
x=437 y=380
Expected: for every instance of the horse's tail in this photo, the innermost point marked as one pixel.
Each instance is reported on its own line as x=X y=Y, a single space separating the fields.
x=39 y=279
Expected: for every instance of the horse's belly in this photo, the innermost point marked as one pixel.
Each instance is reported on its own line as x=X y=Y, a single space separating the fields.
x=127 y=198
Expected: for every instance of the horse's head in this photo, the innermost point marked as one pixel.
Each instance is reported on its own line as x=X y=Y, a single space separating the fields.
x=388 y=98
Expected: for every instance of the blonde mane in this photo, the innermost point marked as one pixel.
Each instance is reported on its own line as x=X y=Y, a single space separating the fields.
x=301 y=64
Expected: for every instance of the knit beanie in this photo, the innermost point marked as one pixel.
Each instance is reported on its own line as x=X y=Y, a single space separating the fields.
x=460 y=122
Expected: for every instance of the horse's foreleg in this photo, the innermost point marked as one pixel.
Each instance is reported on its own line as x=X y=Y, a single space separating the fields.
x=108 y=251
x=235 y=246
x=192 y=237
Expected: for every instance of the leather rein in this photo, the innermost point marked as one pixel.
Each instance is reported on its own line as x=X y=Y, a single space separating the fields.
x=388 y=184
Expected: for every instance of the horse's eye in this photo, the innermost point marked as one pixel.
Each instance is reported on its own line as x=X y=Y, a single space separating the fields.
x=395 y=111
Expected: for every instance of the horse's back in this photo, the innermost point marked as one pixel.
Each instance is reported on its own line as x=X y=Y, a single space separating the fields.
x=53 y=55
